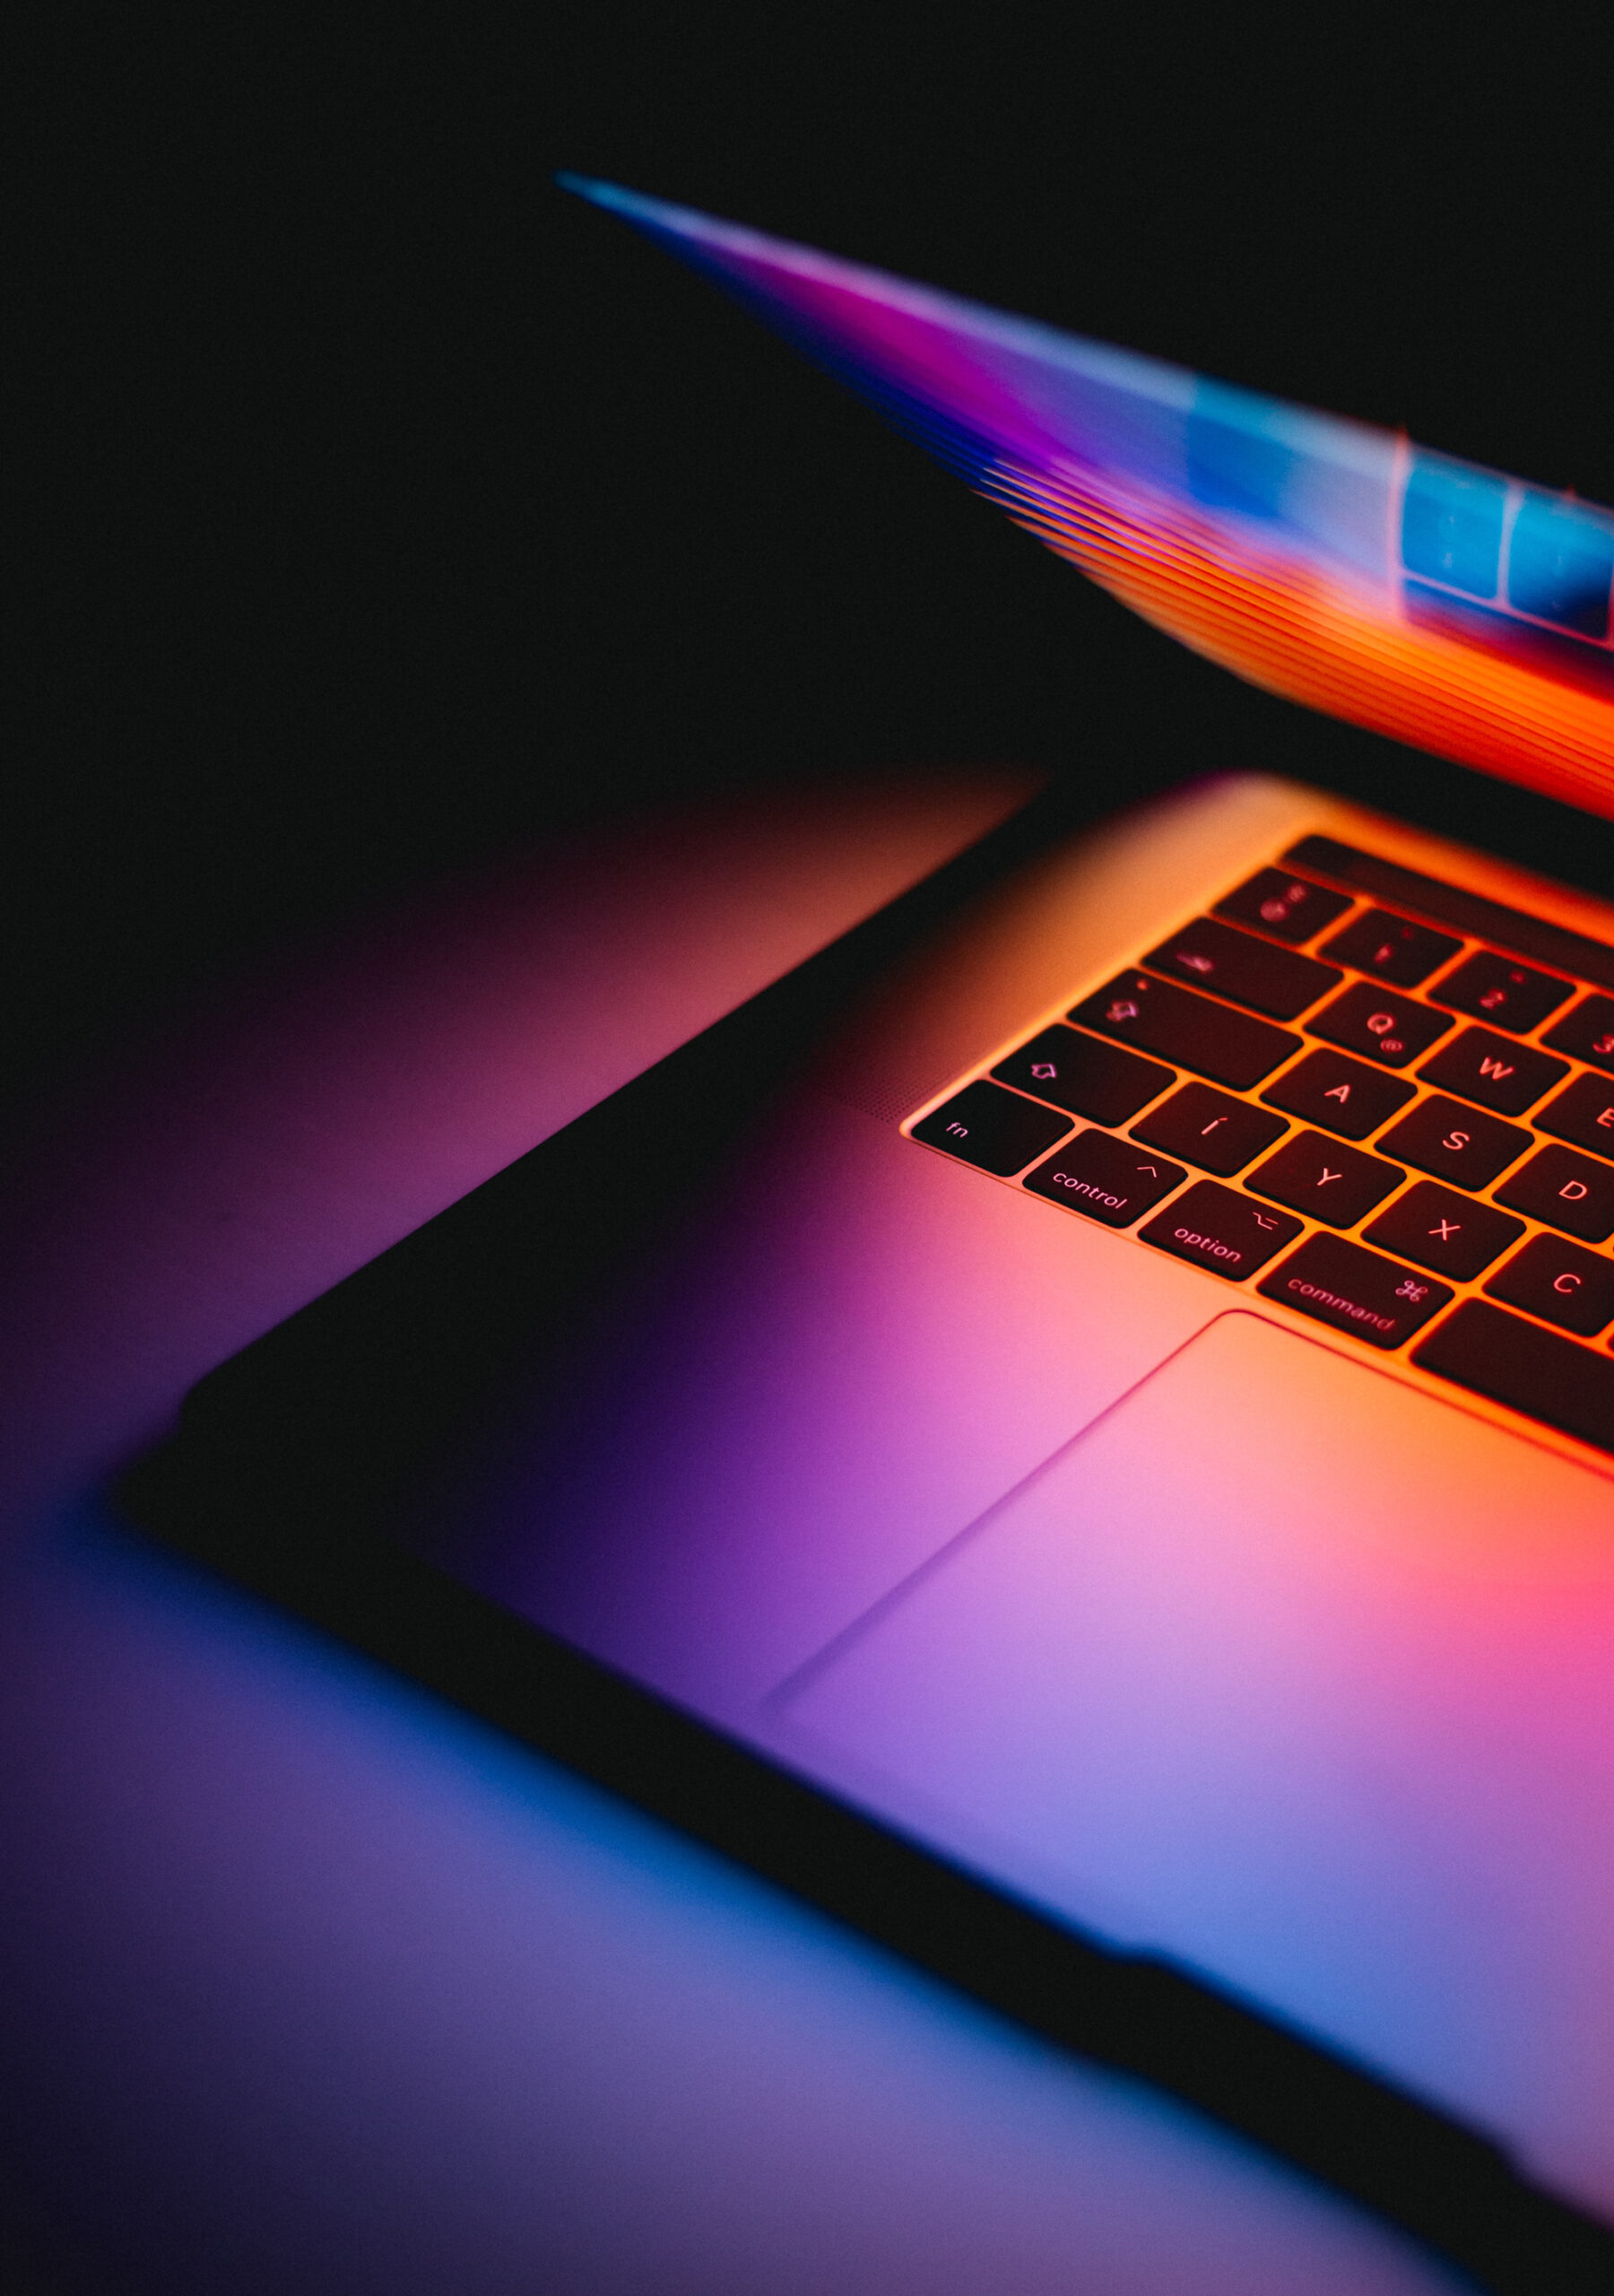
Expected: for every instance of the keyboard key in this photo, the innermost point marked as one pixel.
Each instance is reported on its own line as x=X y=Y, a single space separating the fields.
x=993 y=1129
x=1107 y=1178
x=1081 y=1073
x=1560 y=1281
x=1246 y=971
x=1215 y=1228
x=1318 y=1176
x=1495 y=988
x=1529 y=1369
x=1189 y=1030
x=1292 y=907
x=1387 y=1027
x=1463 y=1145
x=1393 y=947
x=1213 y=1132
x=1584 y=1113
x=1494 y=1071
x=1355 y=1291
x=1587 y=1032
x=1565 y=1190
x=1339 y=1093
x=1452 y=1234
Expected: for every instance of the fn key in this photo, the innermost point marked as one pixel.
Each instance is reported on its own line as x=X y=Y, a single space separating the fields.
x=994 y=1130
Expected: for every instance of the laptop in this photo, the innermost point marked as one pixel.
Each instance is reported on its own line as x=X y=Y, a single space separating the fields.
x=1125 y=1410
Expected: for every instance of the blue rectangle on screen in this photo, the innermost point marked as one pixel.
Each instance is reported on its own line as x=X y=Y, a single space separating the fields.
x=1451 y=525
x=1560 y=564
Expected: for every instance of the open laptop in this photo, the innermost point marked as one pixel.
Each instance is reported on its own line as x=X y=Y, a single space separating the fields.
x=1135 y=1416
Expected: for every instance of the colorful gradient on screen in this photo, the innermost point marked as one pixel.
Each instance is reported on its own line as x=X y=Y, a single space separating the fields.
x=1426 y=598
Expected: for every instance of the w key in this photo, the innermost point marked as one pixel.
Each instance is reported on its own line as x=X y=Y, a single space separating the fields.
x=1495 y=1072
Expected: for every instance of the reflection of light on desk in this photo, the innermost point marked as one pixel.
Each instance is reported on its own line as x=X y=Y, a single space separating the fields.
x=310 y=1983
x=1443 y=604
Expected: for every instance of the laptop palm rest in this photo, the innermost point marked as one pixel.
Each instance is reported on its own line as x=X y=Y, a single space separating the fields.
x=1316 y=1676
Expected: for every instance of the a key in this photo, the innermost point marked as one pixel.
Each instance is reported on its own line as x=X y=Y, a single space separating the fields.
x=1217 y=1134
x=1391 y=947
x=1494 y=989
x=1493 y=1070
x=1564 y=1189
x=1109 y=1179
x=1355 y=1291
x=1450 y=1234
x=1558 y=1280
x=1235 y=965
x=1320 y=1177
x=993 y=1129
x=1339 y=1093
x=1533 y=1371
x=1217 y=1228
x=1380 y=1024
x=1456 y=1143
x=1292 y=907
x=1089 y=1078
x=1190 y=1032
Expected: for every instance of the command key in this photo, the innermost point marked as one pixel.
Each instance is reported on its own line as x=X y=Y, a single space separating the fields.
x=1340 y=1284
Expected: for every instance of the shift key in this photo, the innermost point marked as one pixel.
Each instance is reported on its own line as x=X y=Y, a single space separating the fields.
x=1229 y=1047
x=1218 y=1228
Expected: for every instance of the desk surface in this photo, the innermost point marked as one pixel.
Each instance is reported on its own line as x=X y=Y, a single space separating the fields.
x=313 y=1984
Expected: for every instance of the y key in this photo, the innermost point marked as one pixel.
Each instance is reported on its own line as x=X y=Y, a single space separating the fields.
x=1325 y=1177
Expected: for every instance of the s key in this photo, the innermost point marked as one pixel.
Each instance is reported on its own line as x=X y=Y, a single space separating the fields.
x=1463 y=1145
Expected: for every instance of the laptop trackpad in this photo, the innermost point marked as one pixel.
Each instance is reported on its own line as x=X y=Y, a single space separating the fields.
x=1314 y=1673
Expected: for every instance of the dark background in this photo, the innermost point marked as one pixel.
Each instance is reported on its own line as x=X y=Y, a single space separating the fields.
x=377 y=509
x=381 y=506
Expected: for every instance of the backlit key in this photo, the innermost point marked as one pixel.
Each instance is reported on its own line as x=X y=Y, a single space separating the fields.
x=1192 y=1032
x=994 y=1130
x=1494 y=989
x=1532 y=1371
x=1587 y=1032
x=1380 y=1024
x=1494 y=1071
x=1450 y=1234
x=1292 y=908
x=1355 y=1291
x=1236 y=965
x=1391 y=947
x=1326 y=1179
x=1081 y=1073
x=1560 y=1281
x=1109 y=1179
x=1339 y=1093
x=1564 y=1189
x=1456 y=1143
x=1217 y=1228
x=1217 y=1134
x=1584 y=1113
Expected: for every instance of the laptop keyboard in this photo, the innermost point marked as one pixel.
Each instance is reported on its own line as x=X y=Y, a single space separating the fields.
x=1382 y=1101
